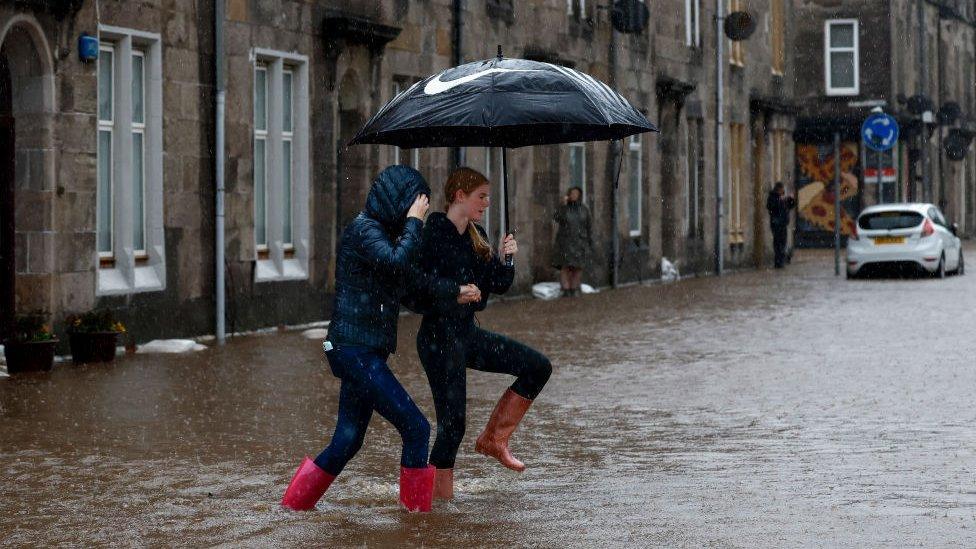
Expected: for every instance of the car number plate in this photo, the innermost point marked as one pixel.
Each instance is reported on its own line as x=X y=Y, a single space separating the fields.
x=889 y=240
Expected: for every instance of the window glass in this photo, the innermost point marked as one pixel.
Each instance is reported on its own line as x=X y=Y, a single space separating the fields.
x=260 y=215
x=138 y=96
x=286 y=102
x=260 y=99
x=104 y=194
x=842 y=35
x=138 y=191
x=286 y=192
x=105 y=58
x=889 y=220
x=842 y=69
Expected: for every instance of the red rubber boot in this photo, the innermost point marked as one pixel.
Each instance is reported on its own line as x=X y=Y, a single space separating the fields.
x=306 y=487
x=417 y=488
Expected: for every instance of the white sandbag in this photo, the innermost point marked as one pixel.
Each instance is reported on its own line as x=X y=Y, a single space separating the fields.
x=315 y=333
x=170 y=346
x=587 y=289
x=546 y=290
x=669 y=273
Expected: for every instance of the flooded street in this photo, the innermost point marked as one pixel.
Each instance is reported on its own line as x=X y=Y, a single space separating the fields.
x=769 y=408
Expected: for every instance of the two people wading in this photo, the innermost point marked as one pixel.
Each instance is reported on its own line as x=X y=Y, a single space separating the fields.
x=446 y=270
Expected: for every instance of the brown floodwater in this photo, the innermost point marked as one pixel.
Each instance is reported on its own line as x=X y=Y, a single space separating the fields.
x=766 y=408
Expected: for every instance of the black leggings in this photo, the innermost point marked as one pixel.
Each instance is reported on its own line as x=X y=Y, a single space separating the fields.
x=446 y=352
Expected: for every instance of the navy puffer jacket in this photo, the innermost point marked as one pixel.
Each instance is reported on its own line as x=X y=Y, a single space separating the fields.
x=376 y=256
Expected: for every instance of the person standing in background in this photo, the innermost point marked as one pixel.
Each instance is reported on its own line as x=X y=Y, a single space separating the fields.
x=573 y=241
x=779 y=204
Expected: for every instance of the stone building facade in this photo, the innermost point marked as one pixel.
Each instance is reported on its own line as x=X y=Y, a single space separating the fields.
x=914 y=59
x=113 y=159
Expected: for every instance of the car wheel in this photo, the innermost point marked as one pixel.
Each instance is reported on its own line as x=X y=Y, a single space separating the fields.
x=940 y=271
x=961 y=269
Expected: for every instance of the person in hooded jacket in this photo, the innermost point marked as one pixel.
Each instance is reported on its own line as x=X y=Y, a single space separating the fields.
x=376 y=255
x=779 y=204
x=460 y=270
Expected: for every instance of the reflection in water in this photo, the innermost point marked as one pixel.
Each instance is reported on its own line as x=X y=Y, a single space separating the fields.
x=764 y=408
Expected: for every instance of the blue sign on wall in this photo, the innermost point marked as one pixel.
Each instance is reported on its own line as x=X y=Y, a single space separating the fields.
x=879 y=132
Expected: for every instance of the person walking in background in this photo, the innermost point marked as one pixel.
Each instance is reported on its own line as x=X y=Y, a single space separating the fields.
x=779 y=204
x=377 y=257
x=574 y=241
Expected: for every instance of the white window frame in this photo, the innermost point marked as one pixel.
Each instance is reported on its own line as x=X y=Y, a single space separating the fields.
x=581 y=184
x=288 y=136
x=693 y=23
x=281 y=261
x=635 y=144
x=131 y=270
x=828 y=50
x=262 y=136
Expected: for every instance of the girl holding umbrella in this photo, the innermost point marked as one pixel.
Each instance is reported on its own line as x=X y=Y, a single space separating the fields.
x=377 y=252
x=461 y=270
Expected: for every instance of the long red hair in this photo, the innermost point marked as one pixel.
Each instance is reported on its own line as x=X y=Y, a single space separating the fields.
x=467 y=180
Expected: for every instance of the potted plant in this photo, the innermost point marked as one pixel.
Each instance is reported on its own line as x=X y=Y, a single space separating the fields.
x=93 y=336
x=30 y=344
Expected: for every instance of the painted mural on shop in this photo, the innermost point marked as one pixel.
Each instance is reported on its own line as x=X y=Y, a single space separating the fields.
x=815 y=192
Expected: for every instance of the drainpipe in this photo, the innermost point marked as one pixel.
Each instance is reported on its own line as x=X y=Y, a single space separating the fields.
x=938 y=66
x=922 y=75
x=719 y=123
x=219 y=289
x=616 y=148
x=457 y=153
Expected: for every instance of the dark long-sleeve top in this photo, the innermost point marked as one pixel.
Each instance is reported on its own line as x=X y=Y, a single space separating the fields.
x=448 y=261
x=779 y=209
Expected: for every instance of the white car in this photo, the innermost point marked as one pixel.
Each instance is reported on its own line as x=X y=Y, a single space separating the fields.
x=904 y=235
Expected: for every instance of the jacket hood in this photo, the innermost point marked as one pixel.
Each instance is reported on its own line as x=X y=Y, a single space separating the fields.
x=392 y=193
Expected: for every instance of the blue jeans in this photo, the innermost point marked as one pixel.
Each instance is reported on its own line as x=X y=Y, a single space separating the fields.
x=367 y=385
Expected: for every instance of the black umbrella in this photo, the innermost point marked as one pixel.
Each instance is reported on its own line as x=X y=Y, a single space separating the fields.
x=506 y=103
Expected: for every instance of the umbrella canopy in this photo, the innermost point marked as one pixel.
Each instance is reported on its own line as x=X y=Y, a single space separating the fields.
x=502 y=102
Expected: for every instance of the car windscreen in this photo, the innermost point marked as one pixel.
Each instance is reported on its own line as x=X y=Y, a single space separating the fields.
x=889 y=220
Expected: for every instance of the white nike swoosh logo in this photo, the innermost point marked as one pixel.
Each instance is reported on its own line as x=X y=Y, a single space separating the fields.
x=436 y=85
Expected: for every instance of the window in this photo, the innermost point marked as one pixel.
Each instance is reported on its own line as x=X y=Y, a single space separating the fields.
x=693 y=23
x=777 y=36
x=576 y=8
x=577 y=167
x=841 y=57
x=695 y=197
x=635 y=155
x=280 y=163
x=737 y=54
x=412 y=156
x=129 y=232
x=737 y=154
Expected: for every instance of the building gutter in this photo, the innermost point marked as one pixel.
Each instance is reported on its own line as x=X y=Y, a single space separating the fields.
x=219 y=286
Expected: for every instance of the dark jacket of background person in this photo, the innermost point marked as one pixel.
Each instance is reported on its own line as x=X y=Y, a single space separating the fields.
x=376 y=255
x=573 y=237
x=448 y=261
x=779 y=209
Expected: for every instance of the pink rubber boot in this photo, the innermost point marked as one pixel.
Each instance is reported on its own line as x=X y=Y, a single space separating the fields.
x=306 y=487
x=417 y=488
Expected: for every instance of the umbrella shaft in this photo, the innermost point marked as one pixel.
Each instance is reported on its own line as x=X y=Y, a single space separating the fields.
x=509 y=260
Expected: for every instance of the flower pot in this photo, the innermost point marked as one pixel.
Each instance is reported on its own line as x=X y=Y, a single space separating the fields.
x=29 y=356
x=92 y=346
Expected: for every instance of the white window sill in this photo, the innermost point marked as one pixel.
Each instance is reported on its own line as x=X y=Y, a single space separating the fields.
x=291 y=269
x=114 y=282
x=842 y=92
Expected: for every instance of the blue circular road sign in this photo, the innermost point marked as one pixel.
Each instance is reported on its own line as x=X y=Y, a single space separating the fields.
x=879 y=132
